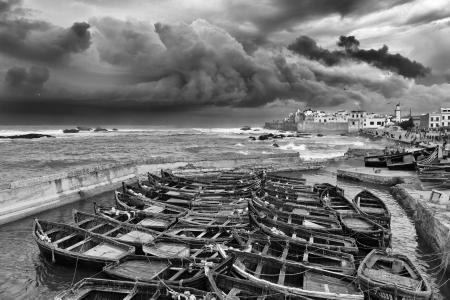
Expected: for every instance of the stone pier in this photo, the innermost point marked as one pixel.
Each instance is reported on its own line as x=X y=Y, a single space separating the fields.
x=432 y=221
x=377 y=175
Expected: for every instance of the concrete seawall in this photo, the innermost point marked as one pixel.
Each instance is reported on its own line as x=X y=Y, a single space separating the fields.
x=23 y=198
x=432 y=221
x=382 y=177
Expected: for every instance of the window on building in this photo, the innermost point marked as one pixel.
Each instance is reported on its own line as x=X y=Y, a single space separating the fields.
x=325 y=121
x=431 y=119
x=353 y=122
x=372 y=123
x=379 y=123
x=431 y=125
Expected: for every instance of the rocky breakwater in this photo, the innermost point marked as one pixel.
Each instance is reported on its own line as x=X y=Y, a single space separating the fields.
x=26 y=136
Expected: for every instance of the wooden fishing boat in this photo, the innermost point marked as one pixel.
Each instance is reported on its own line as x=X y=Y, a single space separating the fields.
x=222 y=178
x=335 y=200
x=126 y=233
x=311 y=200
x=295 y=221
x=375 y=161
x=226 y=287
x=141 y=203
x=284 y=179
x=197 y=235
x=179 y=182
x=299 y=209
x=404 y=161
x=373 y=207
x=175 y=249
x=158 y=222
x=282 y=249
x=326 y=241
x=368 y=234
x=66 y=244
x=95 y=288
x=201 y=220
x=222 y=210
x=194 y=202
x=174 y=271
x=320 y=188
x=392 y=276
x=294 y=278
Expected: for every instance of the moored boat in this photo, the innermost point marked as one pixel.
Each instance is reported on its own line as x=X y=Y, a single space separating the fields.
x=158 y=222
x=289 y=250
x=323 y=240
x=202 y=220
x=295 y=221
x=392 y=276
x=373 y=207
x=403 y=161
x=66 y=244
x=368 y=234
x=174 y=271
x=126 y=233
x=95 y=288
x=375 y=161
x=294 y=278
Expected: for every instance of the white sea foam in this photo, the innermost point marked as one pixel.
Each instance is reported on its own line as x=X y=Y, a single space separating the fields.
x=293 y=146
x=239 y=145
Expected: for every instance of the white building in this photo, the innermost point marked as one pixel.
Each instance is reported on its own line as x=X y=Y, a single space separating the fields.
x=374 y=121
x=398 y=115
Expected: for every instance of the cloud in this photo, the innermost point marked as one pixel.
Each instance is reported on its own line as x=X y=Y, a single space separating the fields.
x=37 y=40
x=380 y=58
x=19 y=81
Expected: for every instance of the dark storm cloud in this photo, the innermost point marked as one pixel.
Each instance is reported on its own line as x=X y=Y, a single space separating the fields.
x=39 y=40
x=22 y=82
x=201 y=64
x=282 y=14
x=380 y=58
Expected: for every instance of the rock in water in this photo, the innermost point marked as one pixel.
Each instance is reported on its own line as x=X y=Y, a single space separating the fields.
x=99 y=129
x=27 y=136
x=71 y=130
x=246 y=128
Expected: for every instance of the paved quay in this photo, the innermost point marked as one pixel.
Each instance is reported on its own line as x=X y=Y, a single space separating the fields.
x=377 y=175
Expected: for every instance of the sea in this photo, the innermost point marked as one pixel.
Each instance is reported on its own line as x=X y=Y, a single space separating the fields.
x=26 y=275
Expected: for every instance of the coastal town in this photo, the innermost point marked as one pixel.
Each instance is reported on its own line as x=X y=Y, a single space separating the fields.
x=428 y=126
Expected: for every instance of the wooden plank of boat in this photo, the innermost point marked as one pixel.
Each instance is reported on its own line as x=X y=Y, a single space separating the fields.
x=392 y=276
x=326 y=241
x=69 y=244
x=294 y=278
x=95 y=288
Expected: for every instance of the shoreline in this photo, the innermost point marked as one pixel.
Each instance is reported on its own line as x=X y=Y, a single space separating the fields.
x=23 y=198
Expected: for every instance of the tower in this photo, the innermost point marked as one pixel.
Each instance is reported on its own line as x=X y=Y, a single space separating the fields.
x=398 y=117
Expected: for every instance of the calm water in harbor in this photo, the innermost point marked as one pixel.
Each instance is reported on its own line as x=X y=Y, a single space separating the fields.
x=25 y=275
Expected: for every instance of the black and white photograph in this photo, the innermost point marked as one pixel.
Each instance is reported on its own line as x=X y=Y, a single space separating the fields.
x=225 y=149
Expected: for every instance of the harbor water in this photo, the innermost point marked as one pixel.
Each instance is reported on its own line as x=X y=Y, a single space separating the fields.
x=26 y=275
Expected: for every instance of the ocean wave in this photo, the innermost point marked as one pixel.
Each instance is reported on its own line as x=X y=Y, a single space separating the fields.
x=239 y=145
x=292 y=146
x=320 y=155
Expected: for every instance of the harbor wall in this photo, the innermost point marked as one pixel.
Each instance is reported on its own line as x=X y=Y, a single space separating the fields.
x=335 y=127
x=431 y=220
x=23 y=198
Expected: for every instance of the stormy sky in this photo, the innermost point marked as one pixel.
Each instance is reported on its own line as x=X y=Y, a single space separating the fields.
x=218 y=62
